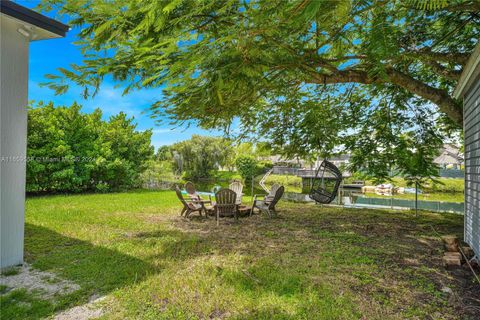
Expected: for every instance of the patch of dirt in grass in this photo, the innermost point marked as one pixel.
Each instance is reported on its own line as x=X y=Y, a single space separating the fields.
x=39 y=281
x=165 y=215
x=162 y=303
x=90 y=310
x=218 y=314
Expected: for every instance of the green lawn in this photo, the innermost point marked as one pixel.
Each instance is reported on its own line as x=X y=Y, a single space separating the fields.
x=310 y=262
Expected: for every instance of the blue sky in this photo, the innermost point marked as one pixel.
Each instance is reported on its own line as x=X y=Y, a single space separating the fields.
x=47 y=55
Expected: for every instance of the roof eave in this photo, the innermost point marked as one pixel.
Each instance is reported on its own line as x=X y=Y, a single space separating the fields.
x=470 y=72
x=29 y=16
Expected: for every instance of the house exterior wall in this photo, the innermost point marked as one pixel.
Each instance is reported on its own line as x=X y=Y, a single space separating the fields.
x=472 y=165
x=14 y=49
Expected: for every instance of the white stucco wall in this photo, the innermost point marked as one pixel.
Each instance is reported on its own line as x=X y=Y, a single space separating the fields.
x=13 y=137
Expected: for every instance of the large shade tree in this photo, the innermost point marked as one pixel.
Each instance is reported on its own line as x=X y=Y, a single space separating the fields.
x=275 y=64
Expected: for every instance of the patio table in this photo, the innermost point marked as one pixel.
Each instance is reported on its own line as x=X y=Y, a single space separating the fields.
x=243 y=210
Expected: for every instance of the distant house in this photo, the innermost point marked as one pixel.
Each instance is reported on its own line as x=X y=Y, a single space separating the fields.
x=468 y=88
x=281 y=160
x=340 y=160
x=450 y=157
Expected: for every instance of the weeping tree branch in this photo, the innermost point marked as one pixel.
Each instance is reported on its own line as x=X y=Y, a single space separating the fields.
x=466 y=6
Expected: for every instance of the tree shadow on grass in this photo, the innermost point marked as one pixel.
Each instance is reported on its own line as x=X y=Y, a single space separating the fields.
x=96 y=269
x=88 y=265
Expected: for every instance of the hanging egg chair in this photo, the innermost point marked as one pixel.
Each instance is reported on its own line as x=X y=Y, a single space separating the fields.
x=326 y=183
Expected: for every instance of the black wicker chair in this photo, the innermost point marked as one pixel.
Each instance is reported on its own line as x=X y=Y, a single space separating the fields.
x=326 y=183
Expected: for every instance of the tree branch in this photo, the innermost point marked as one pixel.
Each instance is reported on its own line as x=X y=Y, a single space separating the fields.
x=443 y=71
x=343 y=76
x=472 y=6
x=452 y=57
x=345 y=58
x=441 y=98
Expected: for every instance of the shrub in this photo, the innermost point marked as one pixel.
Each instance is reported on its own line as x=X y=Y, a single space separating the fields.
x=448 y=185
x=264 y=166
x=71 y=151
x=159 y=175
x=291 y=183
x=102 y=187
x=443 y=185
x=246 y=166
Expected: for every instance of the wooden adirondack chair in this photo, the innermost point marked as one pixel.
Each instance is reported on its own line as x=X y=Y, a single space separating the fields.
x=191 y=191
x=226 y=204
x=193 y=195
x=269 y=197
x=188 y=207
x=237 y=186
x=268 y=206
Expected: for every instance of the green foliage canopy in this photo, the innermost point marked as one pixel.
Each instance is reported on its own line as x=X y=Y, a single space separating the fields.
x=284 y=68
x=164 y=153
x=221 y=58
x=159 y=174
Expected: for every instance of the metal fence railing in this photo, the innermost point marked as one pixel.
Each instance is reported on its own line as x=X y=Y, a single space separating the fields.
x=451 y=173
x=438 y=206
x=285 y=170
